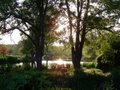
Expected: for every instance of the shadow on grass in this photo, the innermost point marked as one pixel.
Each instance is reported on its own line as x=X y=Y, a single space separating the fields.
x=86 y=81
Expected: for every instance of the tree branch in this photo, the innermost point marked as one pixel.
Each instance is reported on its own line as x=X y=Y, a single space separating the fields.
x=24 y=19
x=26 y=35
x=13 y=28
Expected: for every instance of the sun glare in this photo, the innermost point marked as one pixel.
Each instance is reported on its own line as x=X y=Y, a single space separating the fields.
x=20 y=0
x=60 y=61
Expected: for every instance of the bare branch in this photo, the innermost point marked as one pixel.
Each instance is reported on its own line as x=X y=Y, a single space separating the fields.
x=70 y=22
x=26 y=35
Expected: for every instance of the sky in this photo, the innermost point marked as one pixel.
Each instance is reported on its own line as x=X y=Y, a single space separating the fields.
x=12 y=38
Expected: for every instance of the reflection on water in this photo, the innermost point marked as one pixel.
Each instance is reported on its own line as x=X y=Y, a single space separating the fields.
x=19 y=64
x=50 y=63
x=58 y=61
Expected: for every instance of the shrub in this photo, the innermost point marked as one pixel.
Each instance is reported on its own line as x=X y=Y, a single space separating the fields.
x=94 y=71
x=3 y=60
x=9 y=60
x=25 y=80
x=103 y=63
x=7 y=63
x=110 y=50
x=12 y=60
x=26 y=59
x=108 y=85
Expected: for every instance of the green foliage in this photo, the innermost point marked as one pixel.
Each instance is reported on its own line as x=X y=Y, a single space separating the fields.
x=7 y=63
x=108 y=86
x=84 y=81
x=25 y=80
x=92 y=45
x=89 y=65
x=9 y=60
x=97 y=22
x=27 y=46
x=110 y=49
x=14 y=49
x=112 y=4
x=102 y=63
x=26 y=59
x=94 y=71
x=89 y=79
x=115 y=77
x=55 y=52
x=12 y=59
x=2 y=60
x=4 y=6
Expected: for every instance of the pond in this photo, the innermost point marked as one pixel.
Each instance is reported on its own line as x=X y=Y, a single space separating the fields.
x=57 y=62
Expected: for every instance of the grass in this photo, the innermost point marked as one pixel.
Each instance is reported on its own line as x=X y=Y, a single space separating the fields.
x=89 y=65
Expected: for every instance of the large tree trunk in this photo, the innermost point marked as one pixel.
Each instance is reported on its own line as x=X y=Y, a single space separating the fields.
x=38 y=58
x=77 y=55
x=41 y=32
x=39 y=62
x=77 y=58
x=81 y=20
x=80 y=28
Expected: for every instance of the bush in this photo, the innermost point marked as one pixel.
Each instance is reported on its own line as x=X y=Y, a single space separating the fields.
x=25 y=80
x=6 y=63
x=3 y=60
x=110 y=48
x=12 y=60
x=108 y=85
x=94 y=71
x=26 y=59
x=103 y=63
x=9 y=60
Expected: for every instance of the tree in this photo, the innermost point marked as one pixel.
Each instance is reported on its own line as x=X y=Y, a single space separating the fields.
x=14 y=49
x=3 y=50
x=32 y=16
x=89 y=15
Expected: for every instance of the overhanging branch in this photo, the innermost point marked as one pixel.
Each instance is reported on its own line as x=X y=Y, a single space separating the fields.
x=13 y=28
x=26 y=35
